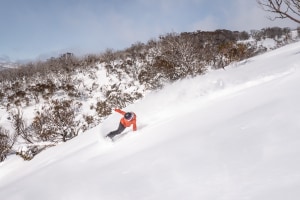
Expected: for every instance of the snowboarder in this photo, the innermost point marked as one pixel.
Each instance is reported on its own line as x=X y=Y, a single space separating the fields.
x=128 y=119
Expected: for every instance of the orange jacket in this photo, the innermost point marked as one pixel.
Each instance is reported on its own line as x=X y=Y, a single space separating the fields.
x=125 y=122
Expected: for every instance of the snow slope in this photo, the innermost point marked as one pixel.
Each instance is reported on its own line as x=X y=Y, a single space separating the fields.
x=231 y=134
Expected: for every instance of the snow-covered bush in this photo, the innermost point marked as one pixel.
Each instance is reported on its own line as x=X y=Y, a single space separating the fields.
x=56 y=122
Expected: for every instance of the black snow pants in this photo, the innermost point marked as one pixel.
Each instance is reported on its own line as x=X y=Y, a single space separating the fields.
x=118 y=131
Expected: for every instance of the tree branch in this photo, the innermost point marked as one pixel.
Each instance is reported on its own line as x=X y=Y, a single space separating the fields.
x=289 y=9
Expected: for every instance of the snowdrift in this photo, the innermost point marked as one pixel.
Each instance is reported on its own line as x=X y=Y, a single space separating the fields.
x=230 y=134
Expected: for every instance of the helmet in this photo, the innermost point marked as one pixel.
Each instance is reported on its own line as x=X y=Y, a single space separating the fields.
x=128 y=116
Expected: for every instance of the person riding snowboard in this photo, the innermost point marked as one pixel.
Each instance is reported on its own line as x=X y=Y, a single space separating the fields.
x=128 y=119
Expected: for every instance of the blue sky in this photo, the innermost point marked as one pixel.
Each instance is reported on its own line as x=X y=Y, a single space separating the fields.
x=36 y=29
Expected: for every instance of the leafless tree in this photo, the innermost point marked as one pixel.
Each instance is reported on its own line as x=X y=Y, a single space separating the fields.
x=109 y=56
x=6 y=143
x=181 y=56
x=20 y=126
x=282 y=9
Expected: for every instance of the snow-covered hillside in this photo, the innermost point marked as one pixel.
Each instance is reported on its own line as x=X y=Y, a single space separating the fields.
x=231 y=134
x=5 y=63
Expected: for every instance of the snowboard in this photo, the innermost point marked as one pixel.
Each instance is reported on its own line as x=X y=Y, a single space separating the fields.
x=117 y=137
